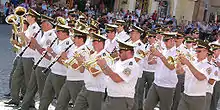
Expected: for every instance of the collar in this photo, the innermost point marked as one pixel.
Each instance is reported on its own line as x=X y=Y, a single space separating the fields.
x=127 y=61
x=65 y=40
x=80 y=48
x=203 y=61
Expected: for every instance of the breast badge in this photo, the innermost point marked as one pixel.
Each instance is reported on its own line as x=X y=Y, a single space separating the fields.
x=127 y=71
x=209 y=70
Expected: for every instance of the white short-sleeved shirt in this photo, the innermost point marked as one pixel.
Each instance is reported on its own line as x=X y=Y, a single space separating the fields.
x=31 y=30
x=58 y=48
x=97 y=83
x=213 y=75
x=128 y=71
x=110 y=46
x=76 y=75
x=47 y=38
x=123 y=36
x=192 y=86
x=164 y=77
x=146 y=66
x=139 y=45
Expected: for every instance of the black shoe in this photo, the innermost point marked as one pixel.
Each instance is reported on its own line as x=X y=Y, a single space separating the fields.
x=7 y=95
x=12 y=102
x=31 y=106
x=21 y=97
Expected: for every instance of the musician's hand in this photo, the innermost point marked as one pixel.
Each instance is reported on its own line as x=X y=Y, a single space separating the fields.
x=49 y=50
x=64 y=55
x=21 y=34
x=183 y=60
x=101 y=62
x=80 y=59
x=155 y=52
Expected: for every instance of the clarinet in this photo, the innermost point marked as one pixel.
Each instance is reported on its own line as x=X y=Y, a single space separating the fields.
x=51 y=64
x=41 y=58
x=29 y=44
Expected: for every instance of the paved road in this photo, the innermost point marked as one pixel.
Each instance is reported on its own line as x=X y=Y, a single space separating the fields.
x=6 y=59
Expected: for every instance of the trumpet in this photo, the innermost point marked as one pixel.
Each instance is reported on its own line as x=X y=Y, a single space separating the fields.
x=68 y=63
x=93 y=67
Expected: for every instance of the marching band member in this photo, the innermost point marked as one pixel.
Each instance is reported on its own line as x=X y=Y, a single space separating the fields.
x=216 y=91
x=121 y=79
x=18 y=43
x=26 y=60
x=213 y=76
x=111 y=43
x=135 y=34
x=180 y=47
x=74 y=81
x=38 y=78
x=57 y=76
x=148 y=71
x=92 y=95
x=121 y=34
x=165 y=78
x=196 y=78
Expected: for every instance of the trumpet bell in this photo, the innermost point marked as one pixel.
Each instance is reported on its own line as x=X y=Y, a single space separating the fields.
x=170 y=60
x=20 y=11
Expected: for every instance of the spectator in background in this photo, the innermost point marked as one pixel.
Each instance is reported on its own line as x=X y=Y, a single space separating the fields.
x=6 y=8
x=138 y=11
x=44 y=6
x=154 y=16
x=15 y=2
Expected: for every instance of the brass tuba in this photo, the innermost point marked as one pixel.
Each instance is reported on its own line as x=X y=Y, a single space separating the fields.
x=13 y=20
x=20 y=12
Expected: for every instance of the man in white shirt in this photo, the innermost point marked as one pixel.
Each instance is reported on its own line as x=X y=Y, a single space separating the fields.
x=111 y=43
x=57 y=76
x=180 y=47
x=121 y=79
x=148 y=71
x=92 y=95
x=74 y=81
x=121 y=34
x=38 y=78
x=165 y=78
x=196 y=78
x=26 y=59
x=216 y=91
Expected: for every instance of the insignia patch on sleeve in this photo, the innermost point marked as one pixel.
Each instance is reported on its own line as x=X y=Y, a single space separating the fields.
x=67 y=43
x=216 y=73
x=209 y=70
x=127 y=71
